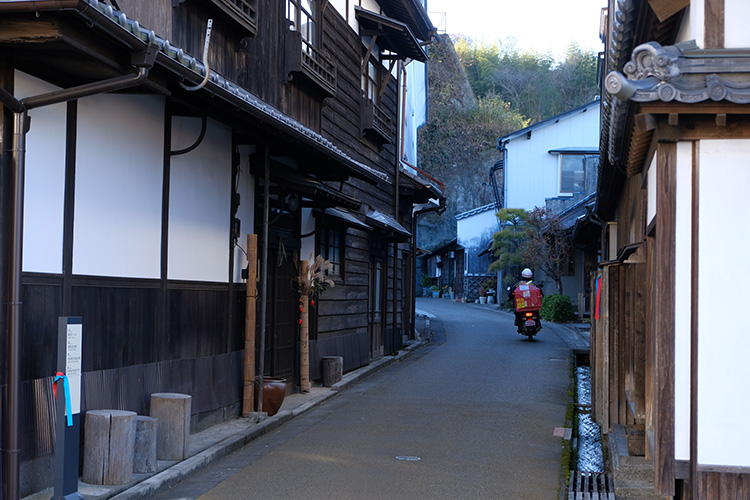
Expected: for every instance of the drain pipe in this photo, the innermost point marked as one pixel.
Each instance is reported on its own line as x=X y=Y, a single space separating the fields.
x=143 y=61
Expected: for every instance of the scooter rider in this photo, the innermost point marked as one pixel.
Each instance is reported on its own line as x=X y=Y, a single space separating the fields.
x=526 y=276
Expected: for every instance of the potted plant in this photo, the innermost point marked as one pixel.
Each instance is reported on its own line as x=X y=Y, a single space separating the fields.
x=482 y=295
x=489 y=285
x=425 y=282
x=435 y=291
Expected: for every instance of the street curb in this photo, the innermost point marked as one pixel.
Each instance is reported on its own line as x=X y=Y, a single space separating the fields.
x=184 y=469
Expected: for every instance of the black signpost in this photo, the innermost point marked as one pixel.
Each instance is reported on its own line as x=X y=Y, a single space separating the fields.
x=68 y=391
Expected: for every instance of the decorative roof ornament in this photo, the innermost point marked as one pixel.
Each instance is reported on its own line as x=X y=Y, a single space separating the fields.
x=651 y=59
x=681 y=73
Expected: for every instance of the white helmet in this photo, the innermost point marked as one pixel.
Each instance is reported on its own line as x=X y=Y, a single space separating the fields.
x=526 y=273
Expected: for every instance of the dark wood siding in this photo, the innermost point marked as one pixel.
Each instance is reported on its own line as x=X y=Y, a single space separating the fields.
x=121 y=320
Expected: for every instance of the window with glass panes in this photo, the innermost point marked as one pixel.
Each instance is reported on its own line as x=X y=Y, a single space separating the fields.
x=301 y=16
x=332 y=248
x=370 y=81
x=572 y=173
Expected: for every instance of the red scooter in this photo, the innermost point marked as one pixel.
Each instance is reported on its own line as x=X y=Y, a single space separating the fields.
x=530 y=324
x=527 y=300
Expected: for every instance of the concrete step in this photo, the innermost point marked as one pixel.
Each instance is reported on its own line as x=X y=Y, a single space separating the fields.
x=635 y=490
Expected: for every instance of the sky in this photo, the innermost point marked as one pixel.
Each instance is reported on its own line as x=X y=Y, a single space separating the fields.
x=546 y=26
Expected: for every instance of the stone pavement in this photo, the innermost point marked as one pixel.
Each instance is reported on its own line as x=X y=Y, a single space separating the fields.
x=222 y=439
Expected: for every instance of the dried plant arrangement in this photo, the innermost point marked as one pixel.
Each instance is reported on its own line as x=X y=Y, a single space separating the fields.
x=315 y=281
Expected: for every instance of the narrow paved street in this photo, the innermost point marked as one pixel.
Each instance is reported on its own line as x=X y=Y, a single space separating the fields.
x=472 y=417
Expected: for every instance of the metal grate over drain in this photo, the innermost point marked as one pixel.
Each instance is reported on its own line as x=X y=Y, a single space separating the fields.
x=590 y=486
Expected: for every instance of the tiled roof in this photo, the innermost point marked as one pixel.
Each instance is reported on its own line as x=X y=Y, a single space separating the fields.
x=476 y=211
x=227 y=87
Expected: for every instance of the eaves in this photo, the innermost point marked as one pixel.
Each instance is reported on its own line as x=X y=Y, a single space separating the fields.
x=112 y=23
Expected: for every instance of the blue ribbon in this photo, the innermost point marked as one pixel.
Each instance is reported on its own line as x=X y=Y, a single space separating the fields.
x=68 y=411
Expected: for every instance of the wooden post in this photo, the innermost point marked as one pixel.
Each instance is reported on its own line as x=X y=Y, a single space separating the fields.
x=304 y=336
x=109 y=447
x=173 y=413
x=251 y=293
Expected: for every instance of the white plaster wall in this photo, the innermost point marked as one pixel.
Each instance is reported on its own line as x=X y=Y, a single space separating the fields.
x=651 y=191
x=470 y=230
x=246 y=210
x=346 y=13
x=692 y=25
x=199 y=202
x=307 y=226
x=119 y=166
x=415 y=109
x=723 y=347
x=736 y=17
x=44 y=192
x=532 y=174
x=371 y=5
x=683 y=245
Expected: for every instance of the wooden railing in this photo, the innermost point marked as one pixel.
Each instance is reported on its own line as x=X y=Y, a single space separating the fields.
x=242 y=11
x=303 y=57
x=374 y=120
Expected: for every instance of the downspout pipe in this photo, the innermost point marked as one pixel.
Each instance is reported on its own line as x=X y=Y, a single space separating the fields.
x=21 y=124
x=396 y=187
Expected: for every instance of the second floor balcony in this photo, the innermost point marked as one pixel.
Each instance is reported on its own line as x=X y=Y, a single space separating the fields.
x=374 y=122
x=301 y=57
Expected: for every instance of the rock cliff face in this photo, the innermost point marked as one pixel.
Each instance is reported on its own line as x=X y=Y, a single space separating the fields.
x=450 y=147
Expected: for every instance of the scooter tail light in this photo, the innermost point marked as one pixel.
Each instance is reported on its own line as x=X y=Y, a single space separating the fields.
x=528 y=315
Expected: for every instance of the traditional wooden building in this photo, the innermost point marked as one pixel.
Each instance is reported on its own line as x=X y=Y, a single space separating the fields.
x=669 y=349
x=149 y=138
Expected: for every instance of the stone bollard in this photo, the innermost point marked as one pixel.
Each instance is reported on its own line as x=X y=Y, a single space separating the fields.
x=146 y=429
x=173 y=412
x=109 y=447
x=333 y=368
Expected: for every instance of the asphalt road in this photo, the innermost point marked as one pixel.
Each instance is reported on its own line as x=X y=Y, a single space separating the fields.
x=472 y=417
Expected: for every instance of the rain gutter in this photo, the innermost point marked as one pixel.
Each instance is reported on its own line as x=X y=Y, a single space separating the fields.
x=176 y=61
x=143 y=60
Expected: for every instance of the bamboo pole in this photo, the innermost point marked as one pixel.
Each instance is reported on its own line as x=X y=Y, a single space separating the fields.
x=251 y=293
x=304 y=334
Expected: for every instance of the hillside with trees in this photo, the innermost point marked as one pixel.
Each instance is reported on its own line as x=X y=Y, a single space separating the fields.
x=479 y=92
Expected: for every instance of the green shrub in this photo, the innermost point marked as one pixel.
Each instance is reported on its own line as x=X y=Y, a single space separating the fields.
x=557 y=308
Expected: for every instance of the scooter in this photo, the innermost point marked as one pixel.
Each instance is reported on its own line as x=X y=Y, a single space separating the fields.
x=527 y=301
x=529 y=323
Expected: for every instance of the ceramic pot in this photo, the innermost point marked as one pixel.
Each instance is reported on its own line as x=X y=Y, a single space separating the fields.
x=274 y=391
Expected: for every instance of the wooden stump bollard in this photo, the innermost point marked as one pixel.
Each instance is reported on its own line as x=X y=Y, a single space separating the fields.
x=333 y=369
x=146 y=430
x=173 y=437
x=109 y=447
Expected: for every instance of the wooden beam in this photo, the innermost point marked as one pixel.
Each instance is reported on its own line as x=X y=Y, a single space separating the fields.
x=366 y=59
x=664 y=9
x=645 y=122
x=705 y=107
x=663 y=319
x=251 y=294
x=713 y=24
x=695 y=128
x=387 y=78
x=694 y=293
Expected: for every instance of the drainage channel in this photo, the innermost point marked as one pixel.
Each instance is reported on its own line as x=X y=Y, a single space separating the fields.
x=588 y=480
